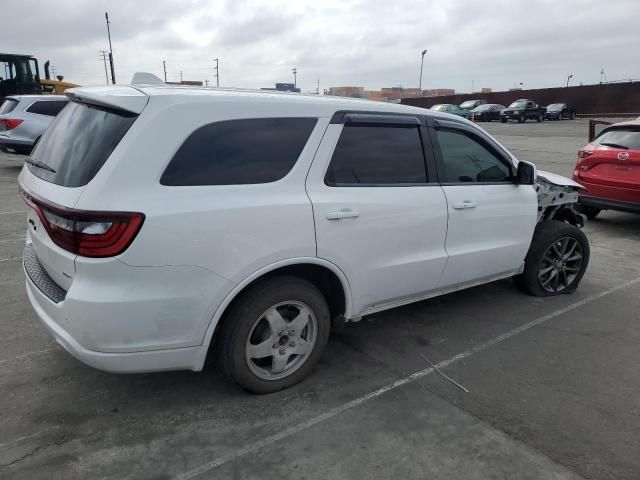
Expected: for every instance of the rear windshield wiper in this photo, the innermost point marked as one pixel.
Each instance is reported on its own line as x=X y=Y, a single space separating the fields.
x=39 y=164
x=614 y=145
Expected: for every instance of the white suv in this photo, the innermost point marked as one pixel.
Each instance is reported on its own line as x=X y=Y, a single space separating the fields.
x=170 y=223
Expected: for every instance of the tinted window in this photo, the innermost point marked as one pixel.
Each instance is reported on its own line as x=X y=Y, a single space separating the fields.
x=625 y=138
x=468 y=158
x=237 y=152
x=377 y=155
x=8 y=105
x=518 y=104
x=47 y=107
x=78 y=143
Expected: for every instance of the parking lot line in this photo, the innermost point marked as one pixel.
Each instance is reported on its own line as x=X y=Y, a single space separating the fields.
x=14 y=211
x=215 y=463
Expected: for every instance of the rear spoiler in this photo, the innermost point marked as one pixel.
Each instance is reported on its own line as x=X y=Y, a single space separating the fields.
x=126 y=99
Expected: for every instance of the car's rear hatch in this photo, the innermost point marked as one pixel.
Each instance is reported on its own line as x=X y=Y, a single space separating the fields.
x=68 y=156
x=613 y=158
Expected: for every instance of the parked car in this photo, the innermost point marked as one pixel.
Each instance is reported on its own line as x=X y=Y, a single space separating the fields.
x=487 y=112
x=167 y=224
x=522 y=110
x=24 y=118
x=558 y=111
x=471 y=104
x=609 y=167
x=452 y=109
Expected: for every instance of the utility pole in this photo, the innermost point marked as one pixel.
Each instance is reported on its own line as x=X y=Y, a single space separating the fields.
x=318 y=88
x=421 y=66
x=113 y=70
x=180 y=76
x=53 y=71
x=471 y=85
x=217 y=67
x=103 y=54
x=206 y=82
x=295 y=78
x=164 y=67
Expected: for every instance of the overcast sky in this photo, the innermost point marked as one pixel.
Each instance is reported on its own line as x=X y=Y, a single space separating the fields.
x=370 y=43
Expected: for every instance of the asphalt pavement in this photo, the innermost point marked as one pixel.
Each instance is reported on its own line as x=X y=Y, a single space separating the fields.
x=544 y=388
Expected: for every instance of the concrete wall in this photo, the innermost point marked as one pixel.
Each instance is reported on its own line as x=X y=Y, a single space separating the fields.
x=589 y=99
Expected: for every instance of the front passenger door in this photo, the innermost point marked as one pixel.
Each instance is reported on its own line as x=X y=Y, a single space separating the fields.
x=490 y=218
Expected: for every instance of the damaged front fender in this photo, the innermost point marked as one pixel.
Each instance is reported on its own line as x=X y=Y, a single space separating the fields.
x=557 y=197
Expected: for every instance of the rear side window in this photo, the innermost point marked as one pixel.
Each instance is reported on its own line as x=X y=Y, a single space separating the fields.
x=78 y=143
x=239 y=152
x=377 y=155
x=625 y=138
x=50 y=108
x=8 y=105
x=466 y=158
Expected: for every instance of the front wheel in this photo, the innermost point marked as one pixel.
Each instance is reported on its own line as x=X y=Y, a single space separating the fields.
x=522 y=119
x=540 y=118
x=503 y=120
x=274 y=334
x=556 y=261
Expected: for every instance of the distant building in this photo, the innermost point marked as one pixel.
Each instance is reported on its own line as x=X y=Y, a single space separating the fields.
x=354 y=92
x=486 y=90
x=283 y=87
x=438 y=92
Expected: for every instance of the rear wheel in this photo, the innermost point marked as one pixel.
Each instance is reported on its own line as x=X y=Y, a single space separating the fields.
x=274 y=334
x=503 y=120
x=522 y=118
x=556 y=261
x=540 y=118
x=573 y=115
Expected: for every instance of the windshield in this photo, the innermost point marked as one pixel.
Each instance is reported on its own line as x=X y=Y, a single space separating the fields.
x=77 y=144
x=468 y=104
x=624 y=138
x=555 y=106
x=519 y=104
x=482 y=108
x=440 y=108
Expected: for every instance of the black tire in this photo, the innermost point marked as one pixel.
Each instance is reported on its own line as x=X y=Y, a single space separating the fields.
x=573 y=115
x=245 y=314
x=588 y=211
x=522 y=119
x=547 y=235
x=540 y=118
x=503 y=120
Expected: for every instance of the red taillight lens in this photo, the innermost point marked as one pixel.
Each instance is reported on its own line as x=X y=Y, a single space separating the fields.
x=584 y=153
x=85 y=233
x=10 y=123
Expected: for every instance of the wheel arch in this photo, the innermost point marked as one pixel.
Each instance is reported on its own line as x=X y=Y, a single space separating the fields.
x=323 y=274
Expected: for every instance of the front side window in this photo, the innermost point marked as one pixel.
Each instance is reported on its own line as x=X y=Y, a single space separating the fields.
x=466 y=158
x=239 y=152
x=377 y=155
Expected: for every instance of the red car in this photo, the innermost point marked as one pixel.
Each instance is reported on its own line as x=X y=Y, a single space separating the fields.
x=609 y=168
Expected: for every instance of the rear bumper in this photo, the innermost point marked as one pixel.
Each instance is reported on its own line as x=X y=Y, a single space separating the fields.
x=608 y=204
x=11 y=145
x=189 y=358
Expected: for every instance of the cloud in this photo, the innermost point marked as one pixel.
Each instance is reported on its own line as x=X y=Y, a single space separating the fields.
x=370 y=43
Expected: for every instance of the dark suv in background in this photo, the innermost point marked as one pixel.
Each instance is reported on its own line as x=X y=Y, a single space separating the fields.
x=522 y=110
x=558 y=111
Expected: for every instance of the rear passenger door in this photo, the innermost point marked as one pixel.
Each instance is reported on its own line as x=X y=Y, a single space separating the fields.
x=490 y=218
x=379 y=213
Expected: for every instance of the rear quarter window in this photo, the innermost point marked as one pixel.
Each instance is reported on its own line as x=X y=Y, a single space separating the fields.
x=237 y=152
x=78 y=143
x=50 y=108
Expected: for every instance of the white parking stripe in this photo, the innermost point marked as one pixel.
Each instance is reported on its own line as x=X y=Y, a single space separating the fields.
x=253 y=447
x=12 y=239
x=14 y=211
x=26 y=355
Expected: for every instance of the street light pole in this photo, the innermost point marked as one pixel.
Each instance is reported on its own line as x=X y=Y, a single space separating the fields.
x=295 y=78
x=421 y=66
x=217 y=60
x=164 y=67
x=569 y=77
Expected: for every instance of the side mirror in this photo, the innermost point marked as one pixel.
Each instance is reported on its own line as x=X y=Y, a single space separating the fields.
x=526 y=174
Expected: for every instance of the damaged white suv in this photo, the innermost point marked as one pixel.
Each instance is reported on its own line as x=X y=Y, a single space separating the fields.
x=169 y=223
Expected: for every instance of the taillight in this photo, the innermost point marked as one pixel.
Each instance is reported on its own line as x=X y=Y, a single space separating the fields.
x=10 y=123
x=584 y=153
x=87 y=233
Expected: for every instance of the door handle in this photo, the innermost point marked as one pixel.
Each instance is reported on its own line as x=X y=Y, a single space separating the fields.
x=465 y=204
x=344 y=213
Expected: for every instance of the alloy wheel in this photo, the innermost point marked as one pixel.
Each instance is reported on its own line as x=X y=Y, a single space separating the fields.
x=560 y=265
